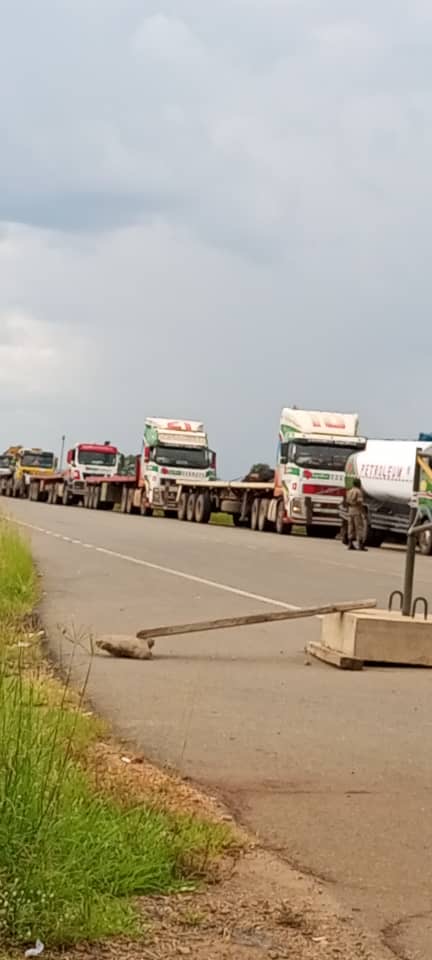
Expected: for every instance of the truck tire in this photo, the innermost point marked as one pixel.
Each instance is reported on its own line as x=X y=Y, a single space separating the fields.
x=202 y=508
x=255 y=509
x=123 y=500
x=236 y=520
x=96 y=498
x=262 y=515
x=65 y=495
x=182 y=506
x=425 y=543
x=280 y=526
x=190 y=507
x=129 y=503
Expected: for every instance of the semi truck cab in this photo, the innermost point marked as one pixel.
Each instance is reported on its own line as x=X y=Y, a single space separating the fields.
x=173 y=450
x=313 y=449
x=28 y=463
x=90 y=460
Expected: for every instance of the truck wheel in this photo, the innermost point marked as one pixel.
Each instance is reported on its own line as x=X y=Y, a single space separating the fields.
x=190 y=507
x=236 y=520
x=280 y=525
x=123 y=501
x=96 y=498
x=129 y=503
x=182 y=507
x=262 y=515
x=425 y=543
x=202 y=508
x=65 y=495
x=255 y=509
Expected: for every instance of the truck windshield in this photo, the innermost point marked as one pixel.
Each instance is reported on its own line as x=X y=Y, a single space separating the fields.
x=42 y=460
x=96 y=458
x=5 y=463
x=195 y=457
x=321 y=456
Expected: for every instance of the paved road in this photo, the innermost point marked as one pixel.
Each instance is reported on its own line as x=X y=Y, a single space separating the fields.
x=333 y=769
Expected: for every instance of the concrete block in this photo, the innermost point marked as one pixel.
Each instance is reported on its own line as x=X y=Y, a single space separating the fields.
x=375 y=636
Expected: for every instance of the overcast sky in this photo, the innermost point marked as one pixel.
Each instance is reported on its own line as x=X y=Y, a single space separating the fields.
x=212 y=210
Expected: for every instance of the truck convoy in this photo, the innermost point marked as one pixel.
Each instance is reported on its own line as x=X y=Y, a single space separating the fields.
x=318 y=455
x=385 y=469
x=176 y=474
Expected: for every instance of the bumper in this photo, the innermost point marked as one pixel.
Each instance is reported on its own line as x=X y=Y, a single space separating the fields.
x=324 y=511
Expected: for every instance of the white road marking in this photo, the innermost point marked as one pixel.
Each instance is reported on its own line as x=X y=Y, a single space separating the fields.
x=161 y=569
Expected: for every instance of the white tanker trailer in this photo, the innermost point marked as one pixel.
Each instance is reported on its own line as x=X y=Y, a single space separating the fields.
x=386 y=473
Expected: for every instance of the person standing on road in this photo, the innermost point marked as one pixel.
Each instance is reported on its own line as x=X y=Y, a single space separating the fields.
x=356 y=516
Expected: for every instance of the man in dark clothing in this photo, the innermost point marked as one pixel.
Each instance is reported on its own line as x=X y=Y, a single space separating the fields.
x=356 y=516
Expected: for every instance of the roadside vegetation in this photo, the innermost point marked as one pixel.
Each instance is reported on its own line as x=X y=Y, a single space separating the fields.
x=73 y=856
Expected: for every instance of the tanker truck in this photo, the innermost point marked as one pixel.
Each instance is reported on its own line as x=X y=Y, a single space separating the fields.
x=386 y=473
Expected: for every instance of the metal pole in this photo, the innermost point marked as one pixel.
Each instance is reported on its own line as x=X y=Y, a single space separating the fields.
x=411 y=546
x=62 y=452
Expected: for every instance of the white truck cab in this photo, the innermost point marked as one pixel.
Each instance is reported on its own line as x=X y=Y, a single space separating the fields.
x=173 y=450
x=313 y=449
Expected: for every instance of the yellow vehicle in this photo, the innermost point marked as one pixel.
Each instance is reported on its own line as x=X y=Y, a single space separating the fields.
x=28 y=462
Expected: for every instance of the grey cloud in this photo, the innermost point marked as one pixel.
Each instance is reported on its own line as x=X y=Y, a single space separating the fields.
x=228 y=209
x=239 y=124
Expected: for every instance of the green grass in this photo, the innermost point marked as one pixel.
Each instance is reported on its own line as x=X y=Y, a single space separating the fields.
x=72 y=857
x=18 y=580
x=221 y=519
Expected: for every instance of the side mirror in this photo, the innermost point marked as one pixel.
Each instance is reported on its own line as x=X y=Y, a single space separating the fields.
x=69 y=457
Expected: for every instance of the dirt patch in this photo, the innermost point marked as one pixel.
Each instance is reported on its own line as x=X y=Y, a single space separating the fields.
x=260 y=910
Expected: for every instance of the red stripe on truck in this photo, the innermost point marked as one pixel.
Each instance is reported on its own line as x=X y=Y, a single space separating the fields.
x=311 y=488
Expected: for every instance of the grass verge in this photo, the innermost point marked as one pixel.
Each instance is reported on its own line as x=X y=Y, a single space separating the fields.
x=72 y=856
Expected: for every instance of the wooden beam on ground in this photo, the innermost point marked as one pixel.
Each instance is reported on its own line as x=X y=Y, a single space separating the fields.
x=201 y=626
x=334 y=657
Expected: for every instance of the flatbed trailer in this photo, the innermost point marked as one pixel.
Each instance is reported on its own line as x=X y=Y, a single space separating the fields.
x=253 y=504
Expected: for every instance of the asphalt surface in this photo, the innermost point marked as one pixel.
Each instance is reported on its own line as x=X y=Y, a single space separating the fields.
x=332 y=769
